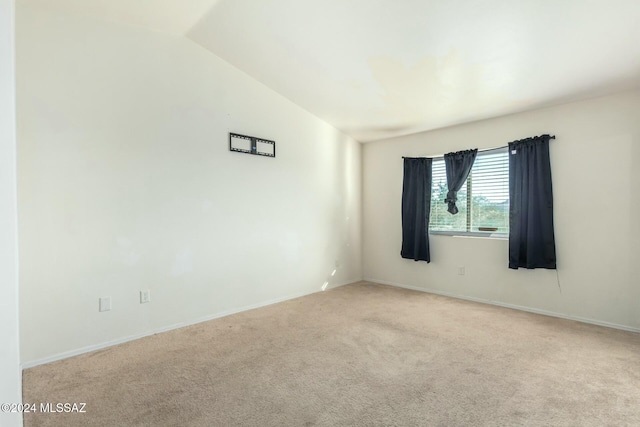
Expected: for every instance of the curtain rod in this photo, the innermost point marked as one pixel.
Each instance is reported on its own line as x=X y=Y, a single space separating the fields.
x=490 y=149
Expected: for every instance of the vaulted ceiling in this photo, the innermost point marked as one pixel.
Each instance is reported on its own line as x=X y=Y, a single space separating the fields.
x=382 y=68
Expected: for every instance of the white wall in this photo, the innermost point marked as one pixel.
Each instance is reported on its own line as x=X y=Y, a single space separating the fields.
x=10 y=373
x=126 y=183
x=595 y=163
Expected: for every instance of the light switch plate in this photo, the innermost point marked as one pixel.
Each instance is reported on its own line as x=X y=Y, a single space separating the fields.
x=105 y=304
x=145 y=296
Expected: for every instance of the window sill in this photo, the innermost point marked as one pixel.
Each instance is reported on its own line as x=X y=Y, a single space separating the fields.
x=471 y=235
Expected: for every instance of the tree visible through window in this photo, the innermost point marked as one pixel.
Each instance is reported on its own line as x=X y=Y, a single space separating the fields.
x=483 y=201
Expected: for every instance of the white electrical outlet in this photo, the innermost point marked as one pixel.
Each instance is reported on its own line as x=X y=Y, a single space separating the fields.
x=145 y=296
x=461 y=270
x=105 y=304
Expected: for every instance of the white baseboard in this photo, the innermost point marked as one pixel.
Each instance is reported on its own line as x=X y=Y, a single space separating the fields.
x=88 y=349
x=507 y=305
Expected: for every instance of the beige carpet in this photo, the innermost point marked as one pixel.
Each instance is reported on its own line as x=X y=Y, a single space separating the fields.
x=359 y=355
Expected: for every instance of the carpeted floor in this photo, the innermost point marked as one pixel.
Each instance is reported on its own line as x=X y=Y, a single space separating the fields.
x=359 y=355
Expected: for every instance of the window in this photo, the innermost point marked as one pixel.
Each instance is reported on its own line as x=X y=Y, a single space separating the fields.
x=483 y=201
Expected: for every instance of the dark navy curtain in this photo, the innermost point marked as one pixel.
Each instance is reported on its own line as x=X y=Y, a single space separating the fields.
x=416 y=206
x=531 y=235
x=458 y=166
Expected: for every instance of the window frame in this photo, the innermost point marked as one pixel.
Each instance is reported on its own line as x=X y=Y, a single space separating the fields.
x=469 y=233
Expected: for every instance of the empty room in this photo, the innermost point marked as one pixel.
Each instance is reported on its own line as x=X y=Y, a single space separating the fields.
x=319 y=213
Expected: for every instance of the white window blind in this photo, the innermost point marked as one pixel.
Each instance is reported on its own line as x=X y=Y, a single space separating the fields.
x=483 y=201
